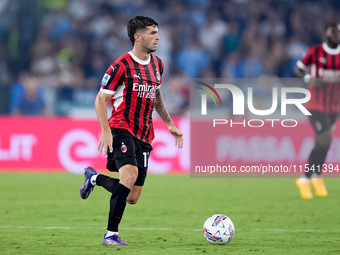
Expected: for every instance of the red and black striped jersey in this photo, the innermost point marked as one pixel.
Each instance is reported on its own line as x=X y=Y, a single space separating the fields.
x=323 y=62
x=133 y=84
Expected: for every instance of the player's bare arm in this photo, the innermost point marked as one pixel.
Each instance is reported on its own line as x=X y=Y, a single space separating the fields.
x=163 y=113
x=105 y=141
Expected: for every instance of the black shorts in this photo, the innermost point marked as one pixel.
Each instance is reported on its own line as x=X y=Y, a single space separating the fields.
x=322 y=121
x=128 y=150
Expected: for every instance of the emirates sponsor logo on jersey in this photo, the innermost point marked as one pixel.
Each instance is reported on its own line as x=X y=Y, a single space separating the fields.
x=144 y=90
x=329 y=75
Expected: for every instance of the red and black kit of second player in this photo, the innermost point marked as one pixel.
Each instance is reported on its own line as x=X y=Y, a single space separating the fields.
x=133 y=84
x=323 y=63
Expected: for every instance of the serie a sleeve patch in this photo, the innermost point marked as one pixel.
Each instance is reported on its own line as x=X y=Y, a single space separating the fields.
x=105 y=79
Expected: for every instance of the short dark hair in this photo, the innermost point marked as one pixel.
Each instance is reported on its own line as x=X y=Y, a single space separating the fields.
x=139 y=23
x=331 y=24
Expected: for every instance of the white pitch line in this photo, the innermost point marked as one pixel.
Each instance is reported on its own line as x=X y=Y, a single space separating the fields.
x=129 y=228
x=168 y=229
x=35 y=227
x=295 y=230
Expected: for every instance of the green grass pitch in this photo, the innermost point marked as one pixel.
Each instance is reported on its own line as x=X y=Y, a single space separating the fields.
x=44 y=214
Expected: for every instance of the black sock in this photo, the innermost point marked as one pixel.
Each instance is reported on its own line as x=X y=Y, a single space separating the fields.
x=316 y=160
x=107 y=182
x=117 y=206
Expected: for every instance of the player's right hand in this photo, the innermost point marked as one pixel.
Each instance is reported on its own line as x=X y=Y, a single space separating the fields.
x=105 y=143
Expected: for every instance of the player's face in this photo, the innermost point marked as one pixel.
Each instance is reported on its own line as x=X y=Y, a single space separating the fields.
x=149 y=39
x=333 y=34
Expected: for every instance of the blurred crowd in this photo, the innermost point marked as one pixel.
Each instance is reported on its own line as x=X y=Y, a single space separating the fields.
x=65 y=46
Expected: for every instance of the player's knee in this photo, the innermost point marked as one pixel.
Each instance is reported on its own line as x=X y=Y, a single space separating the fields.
x=132 y=178
x=129 y=180
x=128 y=176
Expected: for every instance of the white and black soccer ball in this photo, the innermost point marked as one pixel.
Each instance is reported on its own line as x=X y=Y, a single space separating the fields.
x=218 y=229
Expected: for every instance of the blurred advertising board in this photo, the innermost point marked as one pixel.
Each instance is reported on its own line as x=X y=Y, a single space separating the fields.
x=35 y=144
x=248 y=151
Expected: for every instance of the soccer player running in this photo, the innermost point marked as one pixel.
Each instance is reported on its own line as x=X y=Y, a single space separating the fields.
x=132 y=83
x=320 y=67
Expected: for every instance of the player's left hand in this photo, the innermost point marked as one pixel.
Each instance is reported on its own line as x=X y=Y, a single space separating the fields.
x=178 y=136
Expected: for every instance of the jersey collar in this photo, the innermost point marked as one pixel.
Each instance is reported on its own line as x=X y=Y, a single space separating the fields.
x=330 y=50
x=139 y=61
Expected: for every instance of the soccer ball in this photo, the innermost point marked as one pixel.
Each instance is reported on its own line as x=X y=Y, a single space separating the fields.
x=218 y=229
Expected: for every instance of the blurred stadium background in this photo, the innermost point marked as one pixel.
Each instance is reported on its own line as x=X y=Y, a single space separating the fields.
x=55 y=52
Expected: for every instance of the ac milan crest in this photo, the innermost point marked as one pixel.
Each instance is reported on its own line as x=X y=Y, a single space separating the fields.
x=123 y=148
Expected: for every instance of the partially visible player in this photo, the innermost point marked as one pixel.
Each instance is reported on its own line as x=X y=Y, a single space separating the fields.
x=320 y=67
x=132 y=83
